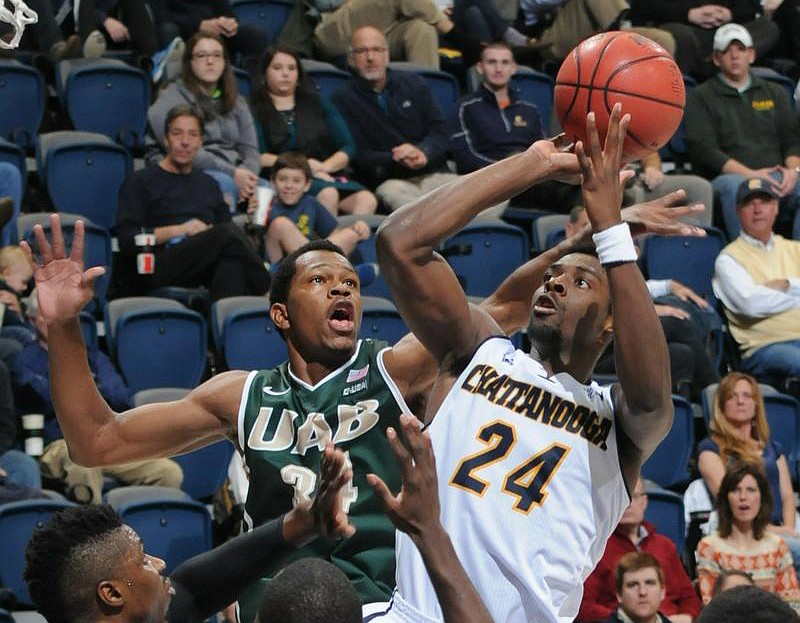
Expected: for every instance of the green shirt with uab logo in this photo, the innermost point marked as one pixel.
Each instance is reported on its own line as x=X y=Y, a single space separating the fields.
x=284 y=424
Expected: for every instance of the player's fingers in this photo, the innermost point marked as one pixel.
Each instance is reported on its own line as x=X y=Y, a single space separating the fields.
x=592 y=136
x=400 y=453
x=26 y=248
x=57 y=237
x=77 y=242
x=381 y=490
x=91 y=275
x=45 y=250
x=584 y=161
x=418 y=442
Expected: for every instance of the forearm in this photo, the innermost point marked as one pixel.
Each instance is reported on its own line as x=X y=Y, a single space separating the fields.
x=420 y=226
x=641 y=356
x=166 y=233
x=79 y=406
x=266 y=160
x=209 y=582
x=336 y=162
x=459 y=600
x=733 y=166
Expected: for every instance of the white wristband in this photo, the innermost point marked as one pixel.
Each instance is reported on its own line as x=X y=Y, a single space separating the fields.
x=615 y=245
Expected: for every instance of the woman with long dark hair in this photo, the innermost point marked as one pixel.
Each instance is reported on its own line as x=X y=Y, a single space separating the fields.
x=291 y=116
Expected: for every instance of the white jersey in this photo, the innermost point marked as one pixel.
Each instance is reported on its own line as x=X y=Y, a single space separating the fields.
x=530 y=488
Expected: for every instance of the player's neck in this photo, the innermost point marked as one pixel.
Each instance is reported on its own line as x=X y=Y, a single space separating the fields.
x=312 y=369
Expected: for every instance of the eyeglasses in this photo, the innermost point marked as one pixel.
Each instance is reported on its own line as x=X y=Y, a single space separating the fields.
x=201 y=56
x=363 y=51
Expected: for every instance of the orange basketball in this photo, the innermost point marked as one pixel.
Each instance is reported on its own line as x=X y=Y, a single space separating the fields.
x=622 y=67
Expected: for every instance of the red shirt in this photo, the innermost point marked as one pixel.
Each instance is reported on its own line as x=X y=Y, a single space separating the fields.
x=600 y=593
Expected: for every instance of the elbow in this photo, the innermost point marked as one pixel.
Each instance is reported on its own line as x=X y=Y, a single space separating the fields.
x=390 y=240
x=84 y=456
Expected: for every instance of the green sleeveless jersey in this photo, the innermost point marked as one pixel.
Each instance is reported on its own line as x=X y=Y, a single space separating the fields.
x=283 y=426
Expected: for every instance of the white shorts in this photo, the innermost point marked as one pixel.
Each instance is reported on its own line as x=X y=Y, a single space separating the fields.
x=394 y=611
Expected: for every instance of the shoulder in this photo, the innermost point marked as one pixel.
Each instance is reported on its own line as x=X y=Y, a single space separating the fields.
x=708 y=445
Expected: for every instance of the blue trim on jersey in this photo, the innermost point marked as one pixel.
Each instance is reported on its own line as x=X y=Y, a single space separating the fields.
x=375 y=615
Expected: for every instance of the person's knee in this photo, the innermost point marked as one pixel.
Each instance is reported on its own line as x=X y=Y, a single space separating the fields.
x=168 y=473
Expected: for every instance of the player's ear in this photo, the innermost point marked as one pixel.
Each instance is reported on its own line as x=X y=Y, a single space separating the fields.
x=607 y=328
x=280 y=316
x=109 y=594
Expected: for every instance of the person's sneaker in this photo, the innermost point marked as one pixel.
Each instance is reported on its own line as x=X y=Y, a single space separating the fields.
x=71 y=48
x=95 y=45
x=163 y=58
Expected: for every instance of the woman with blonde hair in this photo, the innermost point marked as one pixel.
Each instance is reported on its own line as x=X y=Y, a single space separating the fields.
x=742 y=540
x=740 y=433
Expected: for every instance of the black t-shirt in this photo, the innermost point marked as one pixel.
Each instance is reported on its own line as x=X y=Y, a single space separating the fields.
x=153 y=197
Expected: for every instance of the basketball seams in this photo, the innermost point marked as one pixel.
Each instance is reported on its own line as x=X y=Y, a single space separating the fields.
x=596 y=68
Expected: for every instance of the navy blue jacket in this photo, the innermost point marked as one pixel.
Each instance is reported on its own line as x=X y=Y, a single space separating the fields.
x=412 y=116
x=482 y=133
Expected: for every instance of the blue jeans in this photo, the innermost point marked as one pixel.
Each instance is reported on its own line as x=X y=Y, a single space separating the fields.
x=479 y=18
x=230 y=191
x=774 y=362
x=728 y=183
x=21 y=469
x=10 y=186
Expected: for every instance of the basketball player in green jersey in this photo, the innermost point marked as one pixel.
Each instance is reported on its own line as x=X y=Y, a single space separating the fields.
x=332 y=387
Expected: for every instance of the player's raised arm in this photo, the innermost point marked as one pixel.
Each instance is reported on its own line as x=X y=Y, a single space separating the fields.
x=95 y=434
x=424 y=287
x=643 y=394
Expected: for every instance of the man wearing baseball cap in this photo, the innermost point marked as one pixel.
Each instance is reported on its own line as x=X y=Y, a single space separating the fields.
x=757 y=278
x=739 y=126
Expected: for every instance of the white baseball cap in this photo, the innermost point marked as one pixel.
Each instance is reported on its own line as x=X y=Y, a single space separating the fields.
x=729 y=33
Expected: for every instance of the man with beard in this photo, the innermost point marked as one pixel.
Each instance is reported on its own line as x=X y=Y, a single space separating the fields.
x=535 y=461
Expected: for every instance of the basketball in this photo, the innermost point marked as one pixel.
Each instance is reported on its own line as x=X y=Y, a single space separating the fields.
x=627 y=68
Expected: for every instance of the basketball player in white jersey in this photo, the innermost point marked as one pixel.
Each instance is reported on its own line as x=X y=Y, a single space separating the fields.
x=535 y=462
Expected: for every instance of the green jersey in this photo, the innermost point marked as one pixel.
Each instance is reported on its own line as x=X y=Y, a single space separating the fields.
x=283 y=426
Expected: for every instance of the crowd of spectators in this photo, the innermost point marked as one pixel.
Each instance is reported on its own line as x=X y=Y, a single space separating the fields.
x=382 y=140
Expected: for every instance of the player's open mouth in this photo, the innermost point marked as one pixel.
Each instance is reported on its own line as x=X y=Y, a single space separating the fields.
x=341 y=317
x=544 y=306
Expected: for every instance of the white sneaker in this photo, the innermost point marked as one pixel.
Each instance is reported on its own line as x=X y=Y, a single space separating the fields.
x=95 y=45
x=170 y=55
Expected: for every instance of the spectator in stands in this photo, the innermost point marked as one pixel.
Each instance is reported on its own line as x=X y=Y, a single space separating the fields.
x=185 y=18
x=291 y=115
x=16 y=467
x=740 y=126
x=400 y=133
x=600 y=590
x=45 y=36
x=731 y=578
x=652 y=183
x=296 y=217
x=747 y=604
x=196 y=243
x=230 y=149
x=693 y=22
x=740 y=434
x=32 y=379
x=686 y=320
x=495 y=122
x=483 y=19
x=640 y=590
x=411 y=29
x=16 y=274
x=560 y=25
x=10 y=201
x=757 y=278
x=742 y=540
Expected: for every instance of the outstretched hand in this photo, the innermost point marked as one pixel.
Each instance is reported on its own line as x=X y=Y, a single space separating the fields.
x=415 y=509
x=602 y=183
x=324 y=515
x=62 y=286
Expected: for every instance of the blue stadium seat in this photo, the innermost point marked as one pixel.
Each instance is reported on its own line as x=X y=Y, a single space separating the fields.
x=89 y=329
x=365 y=252
x=780 y=79
x=380 y=320
x=244 y=84
x=107 y=96
x=18 y=520
x=689 y=259
x=22 y=98
x=13 y=154
x=327 y=78
x=544 y=226
x=268 y=15
x=484 y=253
x=668 y=466
x=665 y=510
x=156 y=342
x=244 y=336
x=171 y=525
x=443 y=85
x=83 y=172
